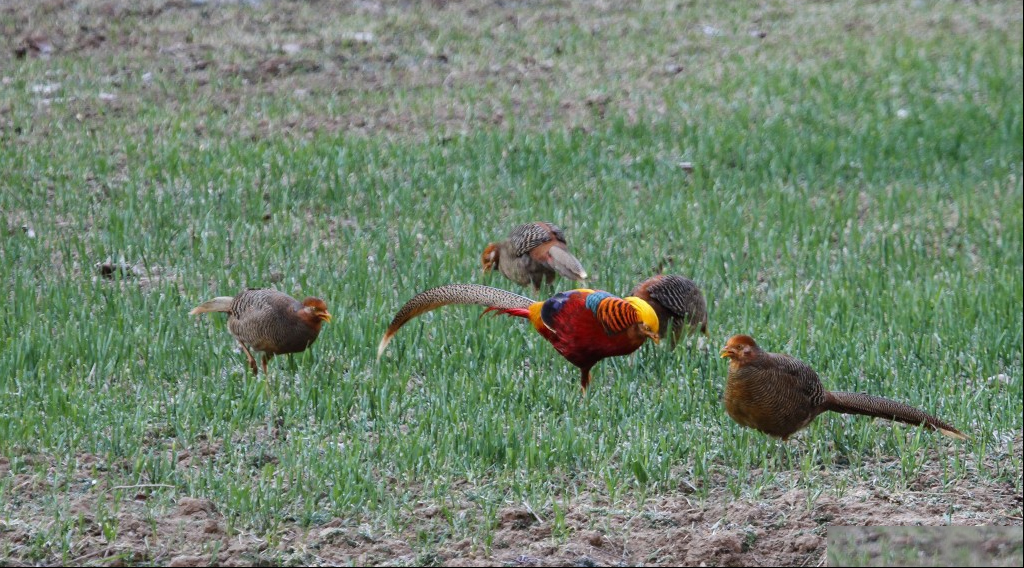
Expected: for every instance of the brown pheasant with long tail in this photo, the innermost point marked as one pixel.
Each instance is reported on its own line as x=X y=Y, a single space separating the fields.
x=780 y=395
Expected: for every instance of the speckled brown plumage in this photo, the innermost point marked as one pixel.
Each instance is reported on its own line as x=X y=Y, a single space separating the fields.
x=780 y=395
x=678 y=302
x=270 y=322
x=533 y=254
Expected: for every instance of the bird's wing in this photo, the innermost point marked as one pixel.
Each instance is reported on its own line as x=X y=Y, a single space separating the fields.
x=529 y=236
x=675 y=293
x=492 y=298
x=802 y=377
x=556 y=232
x=616 y=315
x=263 y=304
x=613 y=313
x=554 y=305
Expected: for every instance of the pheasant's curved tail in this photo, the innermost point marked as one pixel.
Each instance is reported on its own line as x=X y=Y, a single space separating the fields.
x=564 y=263
x=868 y=405
x=218 y=304
x=493 y=298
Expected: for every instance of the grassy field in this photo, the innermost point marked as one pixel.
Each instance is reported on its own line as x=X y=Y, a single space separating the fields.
x=855 y=200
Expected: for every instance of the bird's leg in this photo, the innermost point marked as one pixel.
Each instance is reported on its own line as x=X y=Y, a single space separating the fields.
x=266 y=376
x=677 y=333
x=584 y=379
x=784 y=451
x=252 y=360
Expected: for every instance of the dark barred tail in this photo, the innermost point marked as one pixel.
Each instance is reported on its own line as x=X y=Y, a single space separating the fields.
x=867 y=405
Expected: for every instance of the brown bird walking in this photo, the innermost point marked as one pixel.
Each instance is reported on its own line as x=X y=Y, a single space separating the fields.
x=779 y=395
x=678 y=302
x=533 y=253
x=269 y=322
x=583 y=325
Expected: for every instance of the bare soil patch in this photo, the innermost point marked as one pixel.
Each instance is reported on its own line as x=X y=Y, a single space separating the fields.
x=926 y=546
x=784 y=525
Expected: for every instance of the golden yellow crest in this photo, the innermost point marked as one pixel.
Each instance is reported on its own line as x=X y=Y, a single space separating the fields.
x=646 y=312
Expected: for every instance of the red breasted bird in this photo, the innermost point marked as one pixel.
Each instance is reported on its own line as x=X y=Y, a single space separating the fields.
x=583 y=325
x=780 y=395
x=678 y=302
x=533 y=253
x=269 y=321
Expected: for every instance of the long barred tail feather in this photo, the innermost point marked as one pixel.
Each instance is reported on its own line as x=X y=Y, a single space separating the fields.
x=868 y=405
x=473 y=294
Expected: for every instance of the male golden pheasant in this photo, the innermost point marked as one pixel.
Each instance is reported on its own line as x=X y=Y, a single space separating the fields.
x=269 y=321
x=533 y=253
x=678 y=302
x=583 y=325
x=780 y=395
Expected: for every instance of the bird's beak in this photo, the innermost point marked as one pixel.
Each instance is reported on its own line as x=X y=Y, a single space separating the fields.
x=654 y=336
x=727 y=352
x=326 y=317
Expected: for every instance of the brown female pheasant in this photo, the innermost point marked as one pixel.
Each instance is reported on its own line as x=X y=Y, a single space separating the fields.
x=678 y=302
x=779 y=395
x=269 y=321
x=533 y=253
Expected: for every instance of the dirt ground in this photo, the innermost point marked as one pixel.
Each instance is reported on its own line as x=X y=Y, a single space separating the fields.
x=161 y=525
x=926 y=546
